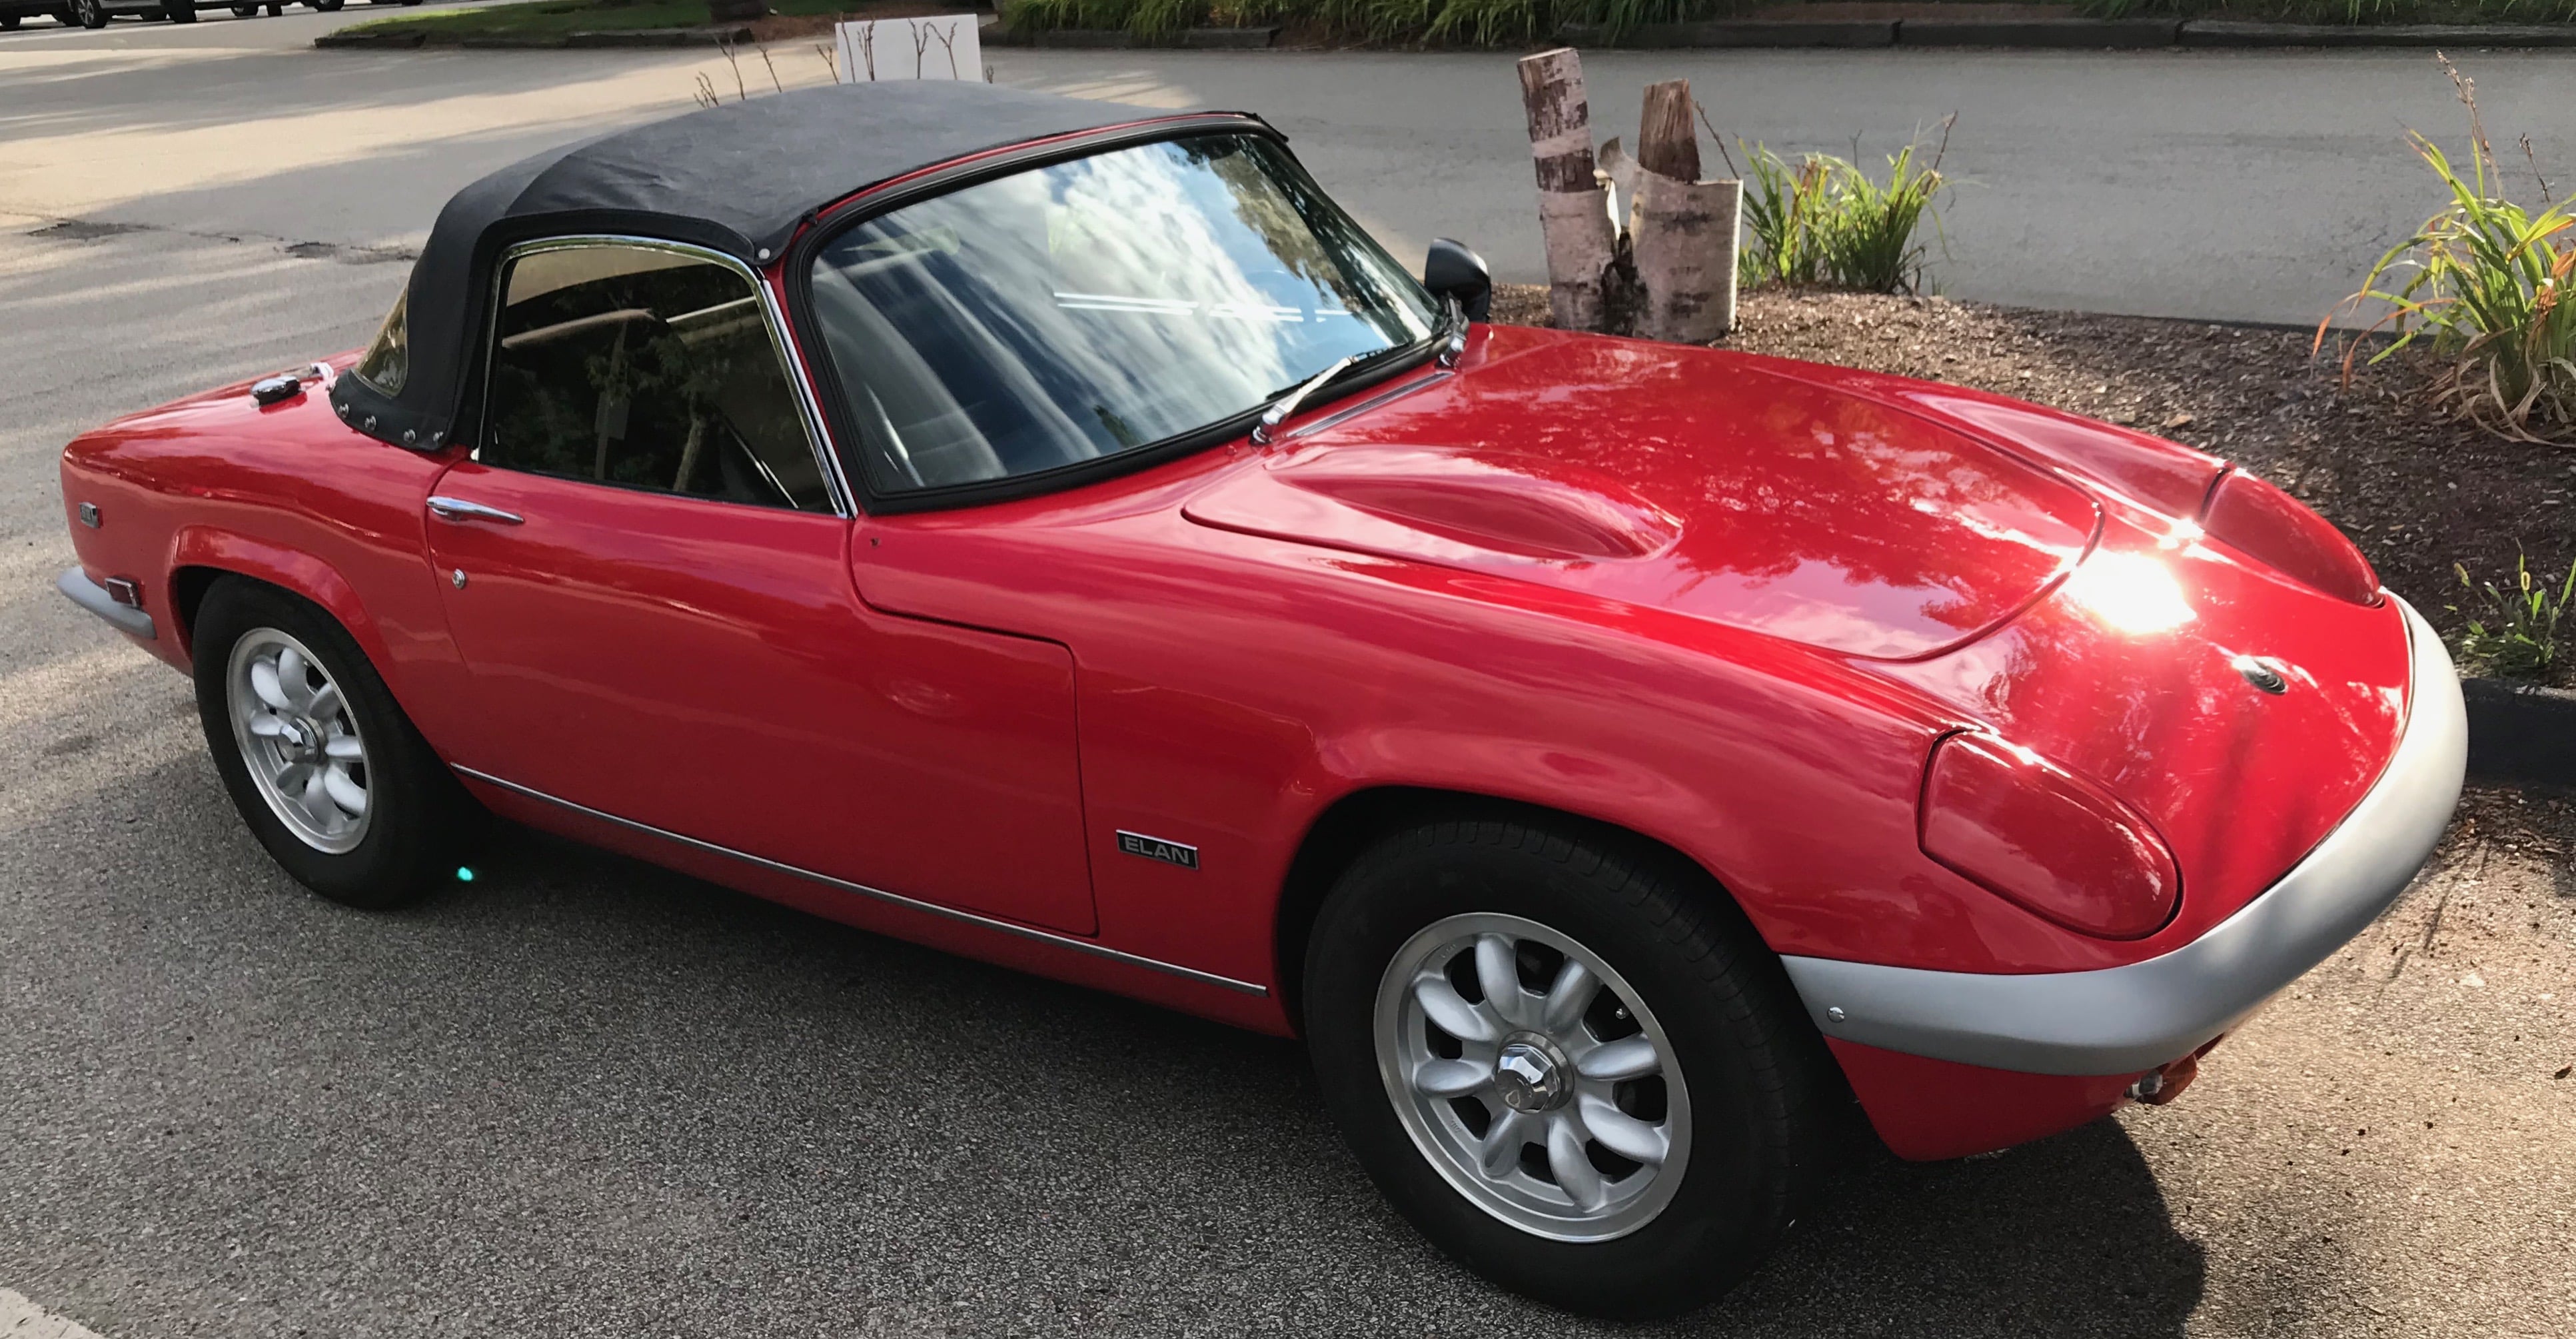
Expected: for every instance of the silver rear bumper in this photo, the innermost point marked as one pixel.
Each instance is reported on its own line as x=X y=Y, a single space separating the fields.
x=2127 y=1019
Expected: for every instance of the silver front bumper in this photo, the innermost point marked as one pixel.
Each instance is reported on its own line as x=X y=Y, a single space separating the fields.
x=80 y=590
x=2126 y=1019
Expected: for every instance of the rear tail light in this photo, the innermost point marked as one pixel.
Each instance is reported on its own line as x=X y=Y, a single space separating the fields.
x=2271 y=527
x=2038 y=836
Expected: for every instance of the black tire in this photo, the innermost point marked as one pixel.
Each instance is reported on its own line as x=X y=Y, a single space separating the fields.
x=245 y=11
x=89 y=13
x=326 y=6
x=417 y=815
x=179 y=11
x=1759 y=1082
x=9 y=22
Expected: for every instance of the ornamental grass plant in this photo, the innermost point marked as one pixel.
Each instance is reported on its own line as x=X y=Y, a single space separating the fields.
x=2482 y=284
x=1823 y=221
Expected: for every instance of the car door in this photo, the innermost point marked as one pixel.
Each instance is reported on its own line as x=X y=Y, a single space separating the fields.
x=647 y=575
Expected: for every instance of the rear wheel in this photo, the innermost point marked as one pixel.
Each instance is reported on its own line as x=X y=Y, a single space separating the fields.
x=326 y=6
x=8 y=22
x=321 y=763
x=1567 y=1059
x=245 y=11
x=90 y=13
x=179 y=11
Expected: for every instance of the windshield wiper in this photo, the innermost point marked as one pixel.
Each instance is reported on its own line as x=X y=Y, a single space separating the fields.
x=1285 y=405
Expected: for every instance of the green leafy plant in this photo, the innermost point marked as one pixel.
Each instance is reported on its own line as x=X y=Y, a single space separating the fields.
x=1780 y=204
x=1466 y=22
x=1822 y=220
x=2515 y=632
x=2484 y=286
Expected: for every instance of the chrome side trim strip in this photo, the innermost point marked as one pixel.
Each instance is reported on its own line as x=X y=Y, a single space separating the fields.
x=897 y=899
x=2124 y=1019
x=80 y=590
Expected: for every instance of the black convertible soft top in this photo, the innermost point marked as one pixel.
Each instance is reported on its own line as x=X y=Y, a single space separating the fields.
x=739 y=178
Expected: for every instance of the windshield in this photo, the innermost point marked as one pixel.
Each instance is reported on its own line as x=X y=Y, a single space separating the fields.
x=1073 y=312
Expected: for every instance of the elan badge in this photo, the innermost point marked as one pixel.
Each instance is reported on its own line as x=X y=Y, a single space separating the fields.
x=1155 y=848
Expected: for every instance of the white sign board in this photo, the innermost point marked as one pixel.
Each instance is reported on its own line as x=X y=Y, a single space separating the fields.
x=944 y=46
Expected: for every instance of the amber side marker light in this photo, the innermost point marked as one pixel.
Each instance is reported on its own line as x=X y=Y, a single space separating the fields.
x=2045 y=839
x=125 y=591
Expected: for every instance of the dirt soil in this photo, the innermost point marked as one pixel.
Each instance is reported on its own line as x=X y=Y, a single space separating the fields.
x=2417 y=491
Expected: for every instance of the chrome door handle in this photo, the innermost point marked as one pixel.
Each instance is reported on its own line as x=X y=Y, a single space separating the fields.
x=458 y=509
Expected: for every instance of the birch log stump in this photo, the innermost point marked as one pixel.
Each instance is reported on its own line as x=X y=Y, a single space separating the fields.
x=1682 y=230
x=1573 y=210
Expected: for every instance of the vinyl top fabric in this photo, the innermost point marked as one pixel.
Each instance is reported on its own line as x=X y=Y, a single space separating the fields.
x=740 y=179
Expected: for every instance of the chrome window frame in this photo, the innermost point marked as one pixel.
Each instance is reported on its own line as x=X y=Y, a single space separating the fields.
x=818 y=434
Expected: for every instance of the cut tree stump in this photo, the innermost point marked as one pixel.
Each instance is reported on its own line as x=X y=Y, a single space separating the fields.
x=1573 y=209
x=1667 y=138
x=1684 y=241
x=1681 y=230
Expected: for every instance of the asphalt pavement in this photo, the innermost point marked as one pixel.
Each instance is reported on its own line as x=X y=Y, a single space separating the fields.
x=2205 y=184
x=581 y=1096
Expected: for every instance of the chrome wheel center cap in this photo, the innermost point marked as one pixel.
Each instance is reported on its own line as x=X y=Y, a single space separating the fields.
x=1531 y=1075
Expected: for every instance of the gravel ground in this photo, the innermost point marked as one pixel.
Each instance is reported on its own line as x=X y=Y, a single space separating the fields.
x=2418 y=491
x=582 y=1096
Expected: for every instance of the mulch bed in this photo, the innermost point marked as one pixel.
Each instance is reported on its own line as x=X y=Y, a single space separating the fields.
x=2416 y=490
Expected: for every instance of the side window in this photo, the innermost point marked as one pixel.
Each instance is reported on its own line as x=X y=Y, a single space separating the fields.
x=645 y=368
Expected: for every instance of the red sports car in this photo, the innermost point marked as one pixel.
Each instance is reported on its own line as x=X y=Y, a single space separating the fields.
x=1053 y=531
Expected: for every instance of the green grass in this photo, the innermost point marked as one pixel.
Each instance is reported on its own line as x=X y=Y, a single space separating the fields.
x=1525 y=22
x=2341 y=11
x=1506 y=23
x=554 y=18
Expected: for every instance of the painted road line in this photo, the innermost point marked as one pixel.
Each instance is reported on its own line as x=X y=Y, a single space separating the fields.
x=22 y=1319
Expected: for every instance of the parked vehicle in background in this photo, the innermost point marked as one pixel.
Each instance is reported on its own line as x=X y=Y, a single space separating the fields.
x=15 y=12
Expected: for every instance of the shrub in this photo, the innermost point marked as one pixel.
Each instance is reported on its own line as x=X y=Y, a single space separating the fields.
x=2484 y=291
x=1823 y=221
x=1476 y=22
x=2517 y=633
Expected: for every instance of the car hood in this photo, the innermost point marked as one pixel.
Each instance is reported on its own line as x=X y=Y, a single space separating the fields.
x=1683 y=479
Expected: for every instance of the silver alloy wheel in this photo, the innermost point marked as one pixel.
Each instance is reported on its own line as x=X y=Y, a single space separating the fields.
x=298 y=740
x=1532 y=1077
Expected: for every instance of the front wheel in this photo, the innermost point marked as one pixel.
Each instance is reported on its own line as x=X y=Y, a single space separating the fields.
x=245 y=11
x=321 y=763
x=180 y=11
x=1567 y=1059
x=326 y=6
x=9 y=21
x=90 y=13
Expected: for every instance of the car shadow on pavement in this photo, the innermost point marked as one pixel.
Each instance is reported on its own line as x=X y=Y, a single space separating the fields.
x=2067 y=1236
x=592 y=1097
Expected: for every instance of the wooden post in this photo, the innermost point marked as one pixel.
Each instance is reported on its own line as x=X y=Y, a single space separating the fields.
x=1573 y=210
x=1682 y=230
